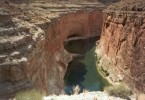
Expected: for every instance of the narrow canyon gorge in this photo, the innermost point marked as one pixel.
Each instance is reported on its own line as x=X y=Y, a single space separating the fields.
x=32 y=47
x=46 y=46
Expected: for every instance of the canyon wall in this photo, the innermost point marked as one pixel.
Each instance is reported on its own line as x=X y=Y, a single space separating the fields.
x=32 y=54
x=122 y=43
x=48 y=63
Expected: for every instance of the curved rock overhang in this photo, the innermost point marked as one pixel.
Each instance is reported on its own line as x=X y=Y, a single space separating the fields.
x=33 y=55
x=51 y=59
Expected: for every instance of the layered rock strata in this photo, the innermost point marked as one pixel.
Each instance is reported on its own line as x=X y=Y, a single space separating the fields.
x=122 y=43
x=31 y=43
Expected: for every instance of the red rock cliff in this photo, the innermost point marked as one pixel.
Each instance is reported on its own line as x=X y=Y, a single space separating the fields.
x=122 y=43
x=48 y=63
x=31 y=46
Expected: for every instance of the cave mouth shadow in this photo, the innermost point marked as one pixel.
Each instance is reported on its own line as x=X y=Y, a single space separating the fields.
x=79 y=44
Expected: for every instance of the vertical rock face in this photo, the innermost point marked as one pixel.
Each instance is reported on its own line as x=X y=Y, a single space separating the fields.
x=123 y=41
x=48 y=63
x=31 y=44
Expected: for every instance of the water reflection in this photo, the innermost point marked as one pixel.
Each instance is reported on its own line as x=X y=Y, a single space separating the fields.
x=82 y=69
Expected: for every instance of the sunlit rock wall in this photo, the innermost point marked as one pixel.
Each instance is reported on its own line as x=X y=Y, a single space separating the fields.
x=122 y=43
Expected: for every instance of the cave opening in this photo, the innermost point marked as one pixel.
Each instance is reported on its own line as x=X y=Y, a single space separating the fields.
x=82 y=70
x=77 y=44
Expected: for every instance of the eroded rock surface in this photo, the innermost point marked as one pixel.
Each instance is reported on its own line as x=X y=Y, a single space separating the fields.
x=122 y=44
x=31 y=43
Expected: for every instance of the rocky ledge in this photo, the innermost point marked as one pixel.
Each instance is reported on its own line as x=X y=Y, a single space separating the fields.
x=31 y=43
x=86 y=96
x=122 y=43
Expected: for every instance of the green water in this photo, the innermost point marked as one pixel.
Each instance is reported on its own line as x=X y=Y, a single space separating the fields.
x=93 y=80
x=82 y=70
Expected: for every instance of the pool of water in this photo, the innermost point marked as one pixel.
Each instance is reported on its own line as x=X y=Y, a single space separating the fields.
x=82 y=69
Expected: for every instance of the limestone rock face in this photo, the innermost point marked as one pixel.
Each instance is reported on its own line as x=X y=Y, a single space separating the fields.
x=123 y=41
x=31 y=43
